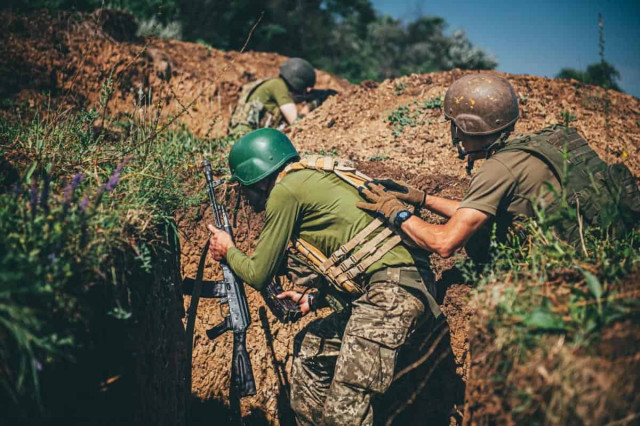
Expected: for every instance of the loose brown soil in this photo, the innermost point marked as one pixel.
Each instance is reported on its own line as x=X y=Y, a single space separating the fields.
x=66 y=61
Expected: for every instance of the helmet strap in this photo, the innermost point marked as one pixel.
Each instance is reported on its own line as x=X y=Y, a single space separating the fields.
x=469 y=167
x=497 y=144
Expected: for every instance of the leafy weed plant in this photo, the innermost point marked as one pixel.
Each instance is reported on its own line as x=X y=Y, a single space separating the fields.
x=85 y=190
x=411 y=115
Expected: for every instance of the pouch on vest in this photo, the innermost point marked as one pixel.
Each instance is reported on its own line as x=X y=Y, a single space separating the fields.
x=252 y=113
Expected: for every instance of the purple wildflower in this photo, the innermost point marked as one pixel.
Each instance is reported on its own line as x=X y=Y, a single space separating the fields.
x=71 y=187
x=115 y=177
x=113 y=180
x=83 y=204
x=52 y=257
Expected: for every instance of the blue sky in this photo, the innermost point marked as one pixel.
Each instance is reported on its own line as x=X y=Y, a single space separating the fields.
x=540 y=37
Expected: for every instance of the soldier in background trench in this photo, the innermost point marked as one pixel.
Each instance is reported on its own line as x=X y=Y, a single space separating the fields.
x=344 y=360
x=272 y=102
x=522 y=175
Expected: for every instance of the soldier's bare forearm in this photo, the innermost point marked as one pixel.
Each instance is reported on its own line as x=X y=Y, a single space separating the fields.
x=441 y=206
x=448 y=238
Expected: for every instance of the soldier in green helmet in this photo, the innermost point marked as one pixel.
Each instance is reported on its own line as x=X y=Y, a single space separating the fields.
x=271 y=102
x=521 y=174
x=378 y=287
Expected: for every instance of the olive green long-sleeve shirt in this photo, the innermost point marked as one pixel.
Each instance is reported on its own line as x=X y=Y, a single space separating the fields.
x=320 y=208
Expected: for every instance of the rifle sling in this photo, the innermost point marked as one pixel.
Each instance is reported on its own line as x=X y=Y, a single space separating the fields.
x=210 y=289
x=193 y=308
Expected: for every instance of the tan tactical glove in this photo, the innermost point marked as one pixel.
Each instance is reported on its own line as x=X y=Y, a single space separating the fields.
x=381 y=202
x=402 y=191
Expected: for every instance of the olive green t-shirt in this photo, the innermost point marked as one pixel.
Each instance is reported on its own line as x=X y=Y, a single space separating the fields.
x=509 y=184
x=320 y=208
x=507 y=187
x=273 y=94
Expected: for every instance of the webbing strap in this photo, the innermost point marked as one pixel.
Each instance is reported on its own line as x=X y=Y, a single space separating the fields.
x=316 y=258
x=309 y=251
x=353 y=178
x=364 y=265
x=341 y=168
x=366 y=249
x=351 y=244
x=342 y=274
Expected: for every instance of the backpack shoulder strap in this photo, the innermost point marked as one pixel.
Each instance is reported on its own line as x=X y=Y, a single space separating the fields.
x=344 y=169
x=249 y=88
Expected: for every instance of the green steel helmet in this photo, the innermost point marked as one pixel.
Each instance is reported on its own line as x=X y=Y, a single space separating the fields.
x=481 y=104
x=259 y=154
x=299 y=74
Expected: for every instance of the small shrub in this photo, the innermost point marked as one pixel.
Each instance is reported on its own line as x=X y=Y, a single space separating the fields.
x=411 y=115
x=151 y=27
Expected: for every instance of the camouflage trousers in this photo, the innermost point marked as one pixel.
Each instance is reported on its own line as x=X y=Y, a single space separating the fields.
x=343 y=360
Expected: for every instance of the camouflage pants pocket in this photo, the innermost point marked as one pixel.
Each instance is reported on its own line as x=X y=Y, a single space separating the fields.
x=370 y=369
x=379 y=325
x=316 y=350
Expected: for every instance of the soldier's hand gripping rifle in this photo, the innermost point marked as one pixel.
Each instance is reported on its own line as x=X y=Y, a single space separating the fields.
x=231 y=292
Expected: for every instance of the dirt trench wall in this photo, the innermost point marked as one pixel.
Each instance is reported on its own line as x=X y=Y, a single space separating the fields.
x=161 y=393
x=130 y=366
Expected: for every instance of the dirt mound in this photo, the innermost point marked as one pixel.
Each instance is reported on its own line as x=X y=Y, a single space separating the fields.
x=69 y=60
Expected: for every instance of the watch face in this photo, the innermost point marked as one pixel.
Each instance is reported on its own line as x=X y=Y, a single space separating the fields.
x=402 y=216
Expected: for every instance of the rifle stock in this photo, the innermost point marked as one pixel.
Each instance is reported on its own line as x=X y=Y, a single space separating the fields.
x=242 y=373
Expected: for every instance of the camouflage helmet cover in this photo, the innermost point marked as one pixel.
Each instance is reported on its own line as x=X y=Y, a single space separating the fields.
x=481 y=104
x=299 y=74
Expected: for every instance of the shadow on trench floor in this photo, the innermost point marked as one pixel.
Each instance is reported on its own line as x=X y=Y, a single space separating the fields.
x=426 y=387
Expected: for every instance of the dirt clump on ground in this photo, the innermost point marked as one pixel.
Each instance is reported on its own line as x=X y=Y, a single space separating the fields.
x=595 y=382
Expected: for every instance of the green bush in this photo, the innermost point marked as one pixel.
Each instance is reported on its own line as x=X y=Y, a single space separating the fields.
x=81 y=199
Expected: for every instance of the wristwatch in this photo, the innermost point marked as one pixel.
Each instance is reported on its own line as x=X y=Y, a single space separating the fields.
x=401 y=217
x=311 y=300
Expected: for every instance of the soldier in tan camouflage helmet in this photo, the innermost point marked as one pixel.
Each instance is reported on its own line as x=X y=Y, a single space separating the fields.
x=379 y=288
x=520 y=175
x=271 y=102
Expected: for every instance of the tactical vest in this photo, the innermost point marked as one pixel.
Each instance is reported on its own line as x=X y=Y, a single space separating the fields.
x=602 y=195
x=342 y=266
x=252 y=115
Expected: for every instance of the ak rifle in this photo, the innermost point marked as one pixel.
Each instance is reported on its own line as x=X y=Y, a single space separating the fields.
x=230 y=290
